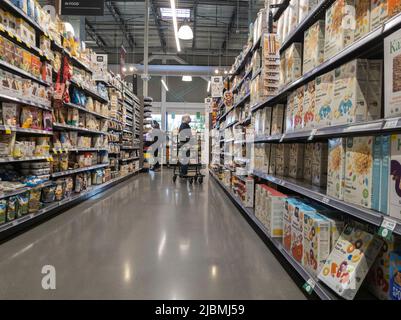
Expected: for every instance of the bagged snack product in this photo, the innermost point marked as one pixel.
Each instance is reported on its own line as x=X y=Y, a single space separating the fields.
x=48 y=194
x=26 y=118
x=34 y=200
x=395 y=276
x=349 y=262
x=10 y=114
x=23 y=200
x=3 y=210
x=12 y=208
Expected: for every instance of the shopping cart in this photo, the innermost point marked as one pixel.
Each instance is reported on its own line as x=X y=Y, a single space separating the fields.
x=194 y=169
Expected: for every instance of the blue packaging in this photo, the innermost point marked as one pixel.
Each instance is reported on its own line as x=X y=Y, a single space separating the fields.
x=395 y=276
x=377 y=165
x=385 y=172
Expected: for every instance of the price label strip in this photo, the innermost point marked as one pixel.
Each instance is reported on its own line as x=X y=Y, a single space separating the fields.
x=390 y=124
x=387 y=228
x=309 y=286
x=312 y=134
x=282 y=138
x=7 y=129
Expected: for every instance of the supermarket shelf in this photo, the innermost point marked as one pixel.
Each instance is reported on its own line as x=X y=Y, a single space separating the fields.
x=98 y=115
x=258 y=72
x=320 y=289
x=66 y=150
x=10 y=228
x=239 y=84
x=239 y=103
x=4 y=195
x=319 y=195
x=75 y=61
x=129 y=159
x=129 y=148
x=4 y=97
x=61 y=126
x=89 y=92
x=68 y=172
x=280 y=10
x=231 y=124
x=25 y=159
x=245 y=122
x=22 y=73
x=24 y=130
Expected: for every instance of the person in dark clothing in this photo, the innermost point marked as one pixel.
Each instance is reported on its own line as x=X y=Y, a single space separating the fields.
x=155 y=125
x=186 y=120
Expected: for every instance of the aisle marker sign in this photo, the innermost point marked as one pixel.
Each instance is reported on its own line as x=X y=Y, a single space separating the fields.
x=387 y=227
x=309 y=286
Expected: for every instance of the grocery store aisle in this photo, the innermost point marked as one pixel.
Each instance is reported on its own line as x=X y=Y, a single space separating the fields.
x=146 y=239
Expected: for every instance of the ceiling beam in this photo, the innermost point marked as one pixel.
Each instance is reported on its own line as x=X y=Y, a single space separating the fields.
x=92 y=33
x=195 y=13
x=230 y=27
x=115 y=12
x=157 y=19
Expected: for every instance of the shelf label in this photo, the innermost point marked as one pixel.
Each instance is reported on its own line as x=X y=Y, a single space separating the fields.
x=390 y=124
x=7 y=129
x=387 y=228
x=312 y=134
x=326 y=200
x=309 y=286
x=282 y=138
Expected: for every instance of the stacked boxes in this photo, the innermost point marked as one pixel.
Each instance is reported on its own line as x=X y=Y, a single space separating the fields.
x=319 y=164
x=309 y=104
x=293 y=59
x=362 y=18
x=270 y=65
x=313 y=46
x=282 y=156
x=262 y=157
x=296 y=160
x=336 y=168
x=324 y=99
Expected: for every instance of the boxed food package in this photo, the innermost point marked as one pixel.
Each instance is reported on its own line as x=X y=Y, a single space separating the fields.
x=289 y=209
x=293 y=58
x=289 y=112
x=272 y=159
x=283 y=70
x=273 y=211
x=381 y=10
x=285 y=23
x=293 y=8
x=296 y=160
x=324 y=99
x=319 y=164
x=277 y=119
x=337 y=225
x=362 y=18
x=308 y=154
x=379 y=275
x=392 y=75
x=309 y=106
x=339 y=27
x=282 y=159
x=394 y=191
x=316 y=245
x=361 y=172
x=350 y=93
x=336 y=168
x=350 y=260
x=395 y=276
x=304 y=7
x=250 y=192
x=313 y=46
x=374 y=97
x=299 y=108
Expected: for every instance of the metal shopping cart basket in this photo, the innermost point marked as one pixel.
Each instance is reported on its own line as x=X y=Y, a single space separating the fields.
x=195 y=164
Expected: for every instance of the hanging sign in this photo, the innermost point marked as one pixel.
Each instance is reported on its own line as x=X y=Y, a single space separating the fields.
x=100 y=67
x=217 y=87
x=82 y=7
x=208 y=105
x=123 y=54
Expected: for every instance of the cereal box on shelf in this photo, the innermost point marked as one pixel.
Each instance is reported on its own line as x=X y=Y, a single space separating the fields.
x=324 y=99
x=377 y=165
x=289 y=209
x=277 y=119
x=313 y=46
x=362 y=18
x=309 y=106
x=316 y=245
x=293 y=7
x=381 y=10
x=395 y=276
x=273 y=211
x=392 y=75
x=336 y=168
x=350 y=96
x=304 y=7
x=385 y=173
x=360 y=171
x=293 y=58
x=374 y=97
x=319 y=164
x=272 y=159
x=394 y=186
x=289 y=112
x=308 y=155
x=339 y=27
x=296 y=160
x=350 y=260
x=299 y=108
x=282 y=157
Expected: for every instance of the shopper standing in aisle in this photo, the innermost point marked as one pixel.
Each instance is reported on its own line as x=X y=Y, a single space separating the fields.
x=185 y=121
x=156 y=166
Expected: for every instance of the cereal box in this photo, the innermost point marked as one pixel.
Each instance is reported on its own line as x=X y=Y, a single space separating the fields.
x=379 y=275
x=377 y=164
x=395 y=276
x=289 y=210
x=337 y=225
x=293 y=58
x=289 y=112
x=316 y=245
x=313 y=46
x=274 y=211
x=349 y=262
x=339 y=27
x=285 y=23
x=381 y=10
x=336 y=168
x=319 y=164
x=299 y=108
x=304 y=7
x=385 y=173
x=394 y=186
x=350 y=96
x=282 y=159
x=374 y=90
x=293 y=14
x=283 y=70
x=272 y=159
x=309 y=106
x=277 y=119
x=307 y=175
x=296 y=160
x=362 y=18
x=360 y=171
x=324 y=100
x=392 y=75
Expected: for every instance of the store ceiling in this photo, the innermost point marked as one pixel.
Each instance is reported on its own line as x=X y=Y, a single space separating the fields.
x=220 y=30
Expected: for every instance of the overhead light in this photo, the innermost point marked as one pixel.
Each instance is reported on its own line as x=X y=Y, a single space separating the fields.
x=187 y=78
x=216 y=71
x=175 y=24
x=164 y=85
x=208 y=86
x=185 y=32
x=225 y=72
x=132 y=69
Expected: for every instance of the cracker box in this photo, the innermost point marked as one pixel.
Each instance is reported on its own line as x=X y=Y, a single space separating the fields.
x=319 y=164
x=394 y=186
x=360 y=171
x=339 y=27
x=316 y=245
x=296 y=160
x=392 y=75
x=299 y=108
x=374 y=90
x=307 y=174
x=282 y=159
x=379 y=275
x=309 y=106
x=350 y=96
x=313 y=46
x=293 y=58
x=272 y=159
x=349 y=262
x=289 y=209
x=277 y=119
x=362 y=18
x=336 y=168
x=324 y=99
x=395 y=276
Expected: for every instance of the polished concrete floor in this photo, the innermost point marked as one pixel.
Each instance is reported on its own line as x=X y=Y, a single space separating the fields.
x=146 y=239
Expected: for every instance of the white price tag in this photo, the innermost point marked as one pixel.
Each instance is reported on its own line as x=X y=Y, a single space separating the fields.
x=312 y=134
x=309 y=286
x=389 y=224
x=326 y=200
x=282 y=138
x=390 y=124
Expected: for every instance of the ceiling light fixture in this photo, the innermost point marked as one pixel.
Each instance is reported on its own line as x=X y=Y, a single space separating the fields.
x=225 y=72
x=175 y=24
x=208 y=86
x=132 y=69
x=216 y=71
x=185 y=32
x=187 y=78
x=164 y=85
x=124 y=69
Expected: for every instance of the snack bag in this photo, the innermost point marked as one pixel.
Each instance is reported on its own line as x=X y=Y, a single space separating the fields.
x=3 y=210
x=395 y=276
x=23 y=204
